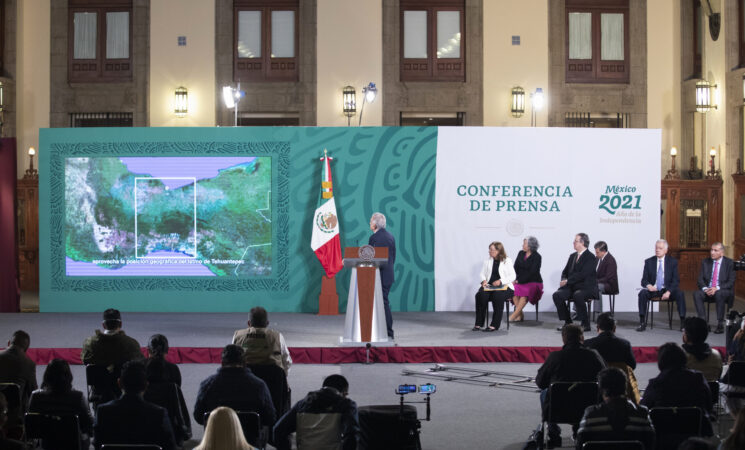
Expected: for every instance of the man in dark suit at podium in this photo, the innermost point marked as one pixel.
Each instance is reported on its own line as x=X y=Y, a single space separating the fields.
x=382 y=238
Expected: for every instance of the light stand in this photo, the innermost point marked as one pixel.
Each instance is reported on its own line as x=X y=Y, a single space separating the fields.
x=232 y=97
x=369 y=93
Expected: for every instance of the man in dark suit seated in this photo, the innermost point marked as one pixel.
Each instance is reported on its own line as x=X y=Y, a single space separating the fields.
x=660 y=278
x=16 y=367
x=678 y=386
x=578 y=282
x=382 y=238
x=235 y=386
x=617 y=418
x=615 y=351
x=573 y=362
x=716 y=281
x=130 y=419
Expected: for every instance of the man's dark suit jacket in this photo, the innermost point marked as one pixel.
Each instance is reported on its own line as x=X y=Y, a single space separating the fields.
x=573 y=362
x=607 y=273
x=131 y=420
x=672 y=278
x=382 y=238
x=237 y=388
x=612 y=348
x=580 y=275
x=726 y=275
x=680 y=387
x=17 y=367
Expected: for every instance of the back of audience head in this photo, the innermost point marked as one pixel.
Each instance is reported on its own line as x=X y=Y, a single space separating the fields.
x=572 y=334
x=695 y=443
x=223 y=431
x=258 y=317
x=671 y=356
x=612 y=382
x=695 y=330
x=606 y=322
x=337 y=382
x=133 y=379
x=57 y=376
x=232 y=356
x=157 y=346
x=20 y=339
x=112 y=319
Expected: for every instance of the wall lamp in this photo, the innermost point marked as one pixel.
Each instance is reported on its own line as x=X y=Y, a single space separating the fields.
x=181 y=101
x=31 y=172
x=349 y=103
x=369 y=93
x=518 y=101
x=703 y=96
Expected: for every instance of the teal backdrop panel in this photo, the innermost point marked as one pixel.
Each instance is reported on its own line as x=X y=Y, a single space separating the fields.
x=386 y=169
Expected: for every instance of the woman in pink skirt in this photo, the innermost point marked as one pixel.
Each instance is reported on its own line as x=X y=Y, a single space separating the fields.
x=529 y=284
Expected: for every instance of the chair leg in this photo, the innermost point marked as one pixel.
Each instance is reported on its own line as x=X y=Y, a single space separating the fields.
x=651 y=315
x=536 y=311
x=507 y=313
x=708 y=312
x=670 y=314
x=612 y=301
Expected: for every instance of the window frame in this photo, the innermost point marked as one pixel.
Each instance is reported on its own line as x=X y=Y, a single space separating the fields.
x=106 y=70
x=594 y=69
x=266 y=68
x=433 y=68
x=2 y=35
x=697 y=55
x=741 y=31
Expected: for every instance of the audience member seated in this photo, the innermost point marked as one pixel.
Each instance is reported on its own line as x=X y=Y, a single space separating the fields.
x=130 y=419
x=716 y=283
x=57 y=396
x=736 y=439
x=110 y=348
x=678 y=386
x=5 y=443
x=616 y=352
x=223 y=432
x=324 y=419
x=578 y=282
x=617 y=418
x=700 y=355
x=262 y=345
x=696 y=443
x=234 y=385
x=660 y=277
x=16 y=367
x=573 y=362
x=736 y=349
x=158 y=369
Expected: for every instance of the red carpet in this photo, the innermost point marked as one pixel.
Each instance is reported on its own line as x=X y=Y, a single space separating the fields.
x=345 y=355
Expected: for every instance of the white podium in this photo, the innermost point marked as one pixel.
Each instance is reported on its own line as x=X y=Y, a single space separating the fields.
x=365 y=319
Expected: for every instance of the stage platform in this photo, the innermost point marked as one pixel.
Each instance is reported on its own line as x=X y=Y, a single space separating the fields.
x=421 y=337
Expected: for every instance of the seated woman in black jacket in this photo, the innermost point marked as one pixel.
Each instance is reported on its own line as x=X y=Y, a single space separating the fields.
x=158 y=369
x=57 y=396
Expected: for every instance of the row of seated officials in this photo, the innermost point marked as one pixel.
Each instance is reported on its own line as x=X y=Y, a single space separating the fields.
x=248 y=399
x=690 y=376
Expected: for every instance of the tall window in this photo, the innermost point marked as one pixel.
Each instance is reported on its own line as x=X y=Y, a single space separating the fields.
x=99 y=44
x=266 y=40
x=597 y=41
x=741 y=32
x=432 y=40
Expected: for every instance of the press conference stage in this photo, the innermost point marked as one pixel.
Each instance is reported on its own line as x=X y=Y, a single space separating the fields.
x=421 y=337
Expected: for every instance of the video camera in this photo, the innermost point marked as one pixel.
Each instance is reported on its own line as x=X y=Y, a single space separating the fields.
x=740 y=264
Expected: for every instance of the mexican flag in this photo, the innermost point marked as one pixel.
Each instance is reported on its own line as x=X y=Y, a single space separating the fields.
x=325 y=239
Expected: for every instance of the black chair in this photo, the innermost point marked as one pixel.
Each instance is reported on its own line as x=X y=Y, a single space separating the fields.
x=613 y=445
x=56 y=431
x=16 y=408
x=276 y=380
x=588 y=301
x=710 y=300
x=611 y=303
x=507 y=310
x=714 y=388
x=566 y=402
x=650 y=310
x=251 y=425
x=131 y=447
x=674 y=425
x=170 y=397
x=102 y=385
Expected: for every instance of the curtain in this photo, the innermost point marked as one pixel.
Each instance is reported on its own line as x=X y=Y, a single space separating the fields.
x=117 y=35
x=10 y=294
x=580 y=35
x=611 y=41
x=85 y=36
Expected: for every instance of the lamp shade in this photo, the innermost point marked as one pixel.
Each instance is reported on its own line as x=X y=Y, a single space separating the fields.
x=518 y=101
x=538 y=99
x=349 y=101
x=370 y=91
x=181 y=101
x=703 y=96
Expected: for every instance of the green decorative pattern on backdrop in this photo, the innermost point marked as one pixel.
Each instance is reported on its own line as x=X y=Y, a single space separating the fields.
x=391 y=170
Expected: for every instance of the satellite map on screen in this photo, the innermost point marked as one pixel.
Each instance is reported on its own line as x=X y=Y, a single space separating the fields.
x=168 y=216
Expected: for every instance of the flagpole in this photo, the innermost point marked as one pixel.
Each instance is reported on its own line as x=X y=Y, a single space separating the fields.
x=328 y=299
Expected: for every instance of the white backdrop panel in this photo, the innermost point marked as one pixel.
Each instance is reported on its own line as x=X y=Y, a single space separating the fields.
x=548 y=183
